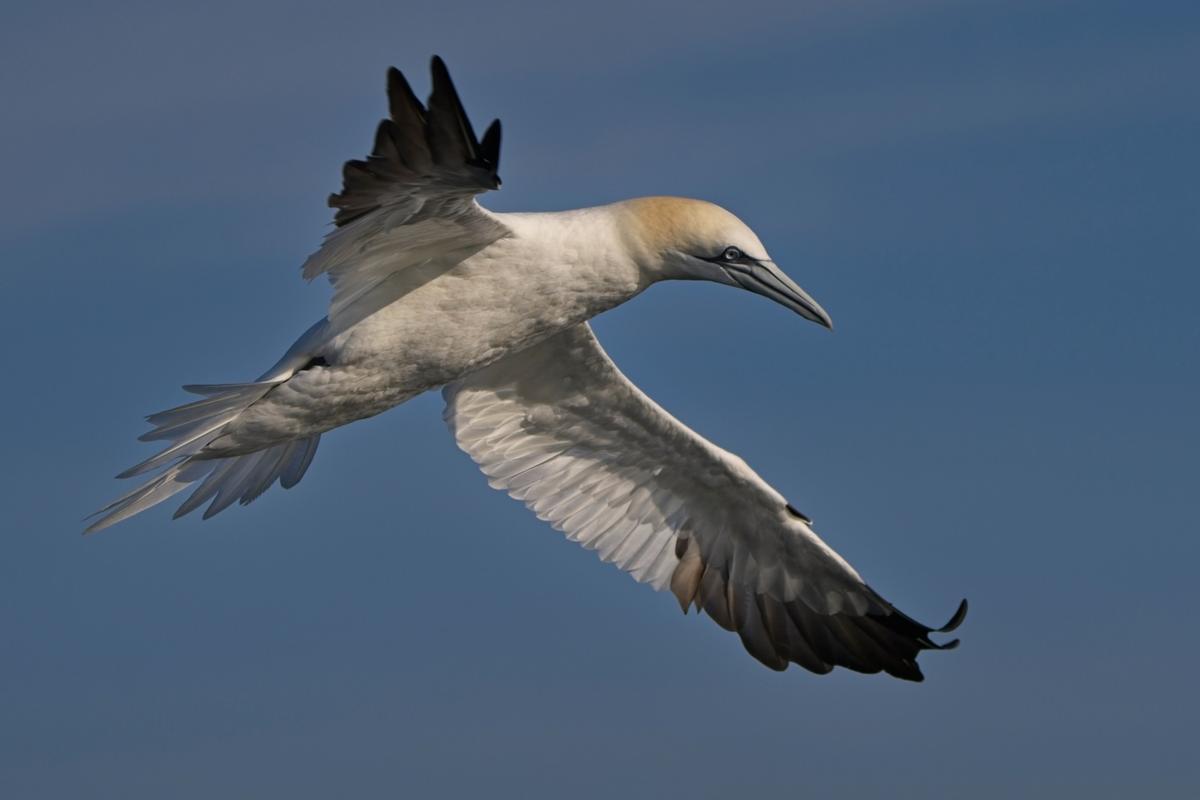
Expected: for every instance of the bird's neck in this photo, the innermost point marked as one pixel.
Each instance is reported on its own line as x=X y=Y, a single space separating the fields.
x=588 y=251
x=601 y=240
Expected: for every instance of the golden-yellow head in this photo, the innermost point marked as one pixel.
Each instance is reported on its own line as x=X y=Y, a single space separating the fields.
x=696 y=240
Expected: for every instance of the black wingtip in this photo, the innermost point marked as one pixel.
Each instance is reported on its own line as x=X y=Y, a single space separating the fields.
x=402 y=100
x=419 y=143
x=447 y=113
x=439 y=71
x=955 y=621
x=489 y=147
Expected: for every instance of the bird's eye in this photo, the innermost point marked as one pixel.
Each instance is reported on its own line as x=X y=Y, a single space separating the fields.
x=731 y=254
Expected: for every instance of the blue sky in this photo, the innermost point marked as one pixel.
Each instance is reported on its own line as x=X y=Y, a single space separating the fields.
x=996 y=201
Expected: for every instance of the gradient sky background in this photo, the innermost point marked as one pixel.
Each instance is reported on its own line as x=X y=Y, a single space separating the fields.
x=996 y=201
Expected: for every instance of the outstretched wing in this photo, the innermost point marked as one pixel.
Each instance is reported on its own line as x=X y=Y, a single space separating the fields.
x=412 y=201
x=560 y=428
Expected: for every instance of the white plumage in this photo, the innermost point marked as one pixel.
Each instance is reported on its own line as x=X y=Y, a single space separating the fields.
x=431 y=290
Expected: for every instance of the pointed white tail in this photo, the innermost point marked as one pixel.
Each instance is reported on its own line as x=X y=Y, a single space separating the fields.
x=189 y=429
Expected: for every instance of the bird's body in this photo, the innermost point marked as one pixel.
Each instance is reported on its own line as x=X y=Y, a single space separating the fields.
x=431 y=290
x=550 y=271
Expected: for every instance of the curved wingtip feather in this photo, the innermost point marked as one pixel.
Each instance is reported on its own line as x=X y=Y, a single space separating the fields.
x=957 y=619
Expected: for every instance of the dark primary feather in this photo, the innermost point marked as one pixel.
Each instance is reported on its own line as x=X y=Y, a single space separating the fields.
x=434 y=149
x=779 y=632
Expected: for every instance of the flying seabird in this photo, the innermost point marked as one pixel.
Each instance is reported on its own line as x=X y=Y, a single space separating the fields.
x=432 y=290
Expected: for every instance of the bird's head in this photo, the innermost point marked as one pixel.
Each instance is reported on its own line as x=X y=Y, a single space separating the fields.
x=678 y=238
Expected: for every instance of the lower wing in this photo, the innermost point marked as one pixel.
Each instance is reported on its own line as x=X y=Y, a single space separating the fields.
x=558 y=427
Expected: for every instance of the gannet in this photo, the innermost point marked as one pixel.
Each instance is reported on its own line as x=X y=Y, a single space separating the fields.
x=432 y=290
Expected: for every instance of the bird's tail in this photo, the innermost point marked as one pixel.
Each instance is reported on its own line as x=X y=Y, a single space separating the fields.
x=189 y=429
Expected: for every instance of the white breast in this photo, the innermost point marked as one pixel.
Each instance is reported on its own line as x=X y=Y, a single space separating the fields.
x=554 y=271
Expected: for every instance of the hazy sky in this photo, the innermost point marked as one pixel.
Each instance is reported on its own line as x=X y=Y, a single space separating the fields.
x=996 y=201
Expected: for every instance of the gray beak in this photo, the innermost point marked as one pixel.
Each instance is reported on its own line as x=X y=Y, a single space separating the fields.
x=764 y=278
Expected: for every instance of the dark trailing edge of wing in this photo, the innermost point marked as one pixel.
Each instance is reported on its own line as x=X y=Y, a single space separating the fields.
x=432 y=148
x=779 y=633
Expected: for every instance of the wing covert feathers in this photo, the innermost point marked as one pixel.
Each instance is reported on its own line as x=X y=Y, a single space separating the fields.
x=559 y=428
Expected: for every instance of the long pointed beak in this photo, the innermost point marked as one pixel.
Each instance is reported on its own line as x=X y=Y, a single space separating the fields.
x=765 y=278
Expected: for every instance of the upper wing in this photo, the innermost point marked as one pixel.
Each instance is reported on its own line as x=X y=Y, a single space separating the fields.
x=411 y=201
x=560 y=428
